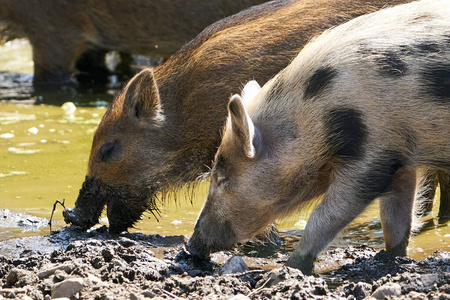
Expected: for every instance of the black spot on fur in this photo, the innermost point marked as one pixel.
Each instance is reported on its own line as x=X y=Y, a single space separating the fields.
x=437 y=82
x=427 y=48
x=319 y=81
x=391 y=64
x=378 y=178
x=346 y=132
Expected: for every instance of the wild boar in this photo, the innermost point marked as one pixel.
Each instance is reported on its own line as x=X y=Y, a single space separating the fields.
x=163 y=130
x=60 y=31
x=352 y=118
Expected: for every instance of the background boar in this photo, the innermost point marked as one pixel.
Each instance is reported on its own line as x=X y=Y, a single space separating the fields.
x=163 y=130
x=60 y=31
x=352 y=117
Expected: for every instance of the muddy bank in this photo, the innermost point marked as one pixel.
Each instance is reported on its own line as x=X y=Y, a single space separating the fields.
x=97 y=265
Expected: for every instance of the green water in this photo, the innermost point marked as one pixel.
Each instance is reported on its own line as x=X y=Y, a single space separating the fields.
x=43 y=158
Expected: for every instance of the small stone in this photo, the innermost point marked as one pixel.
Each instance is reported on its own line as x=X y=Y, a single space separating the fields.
x=60 y=276
x=388 y=290
x=149 y=294
x=107 y=254
x=67 y=288
x=67 y=267
x=234 y=265
x=119 y=263
x=20 y=278
x=362 y=290
x=416 y=296
x=133 y=296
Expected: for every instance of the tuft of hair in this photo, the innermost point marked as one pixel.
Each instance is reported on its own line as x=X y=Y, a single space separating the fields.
x=421 y=203
x=249 y=92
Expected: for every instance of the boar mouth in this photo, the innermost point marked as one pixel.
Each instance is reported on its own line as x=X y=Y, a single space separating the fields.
x=215 y=238
x=125 y=205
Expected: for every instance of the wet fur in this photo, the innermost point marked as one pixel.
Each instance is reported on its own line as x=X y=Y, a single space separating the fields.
x=177 y=143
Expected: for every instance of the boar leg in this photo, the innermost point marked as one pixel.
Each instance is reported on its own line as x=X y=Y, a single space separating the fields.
x=55 y=62
x=444 y=185
x=342 y=203
x=431 y=181
x=396 y=212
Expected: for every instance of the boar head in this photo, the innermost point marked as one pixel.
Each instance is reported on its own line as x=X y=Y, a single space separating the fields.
x=131 y=141
x=240 y=201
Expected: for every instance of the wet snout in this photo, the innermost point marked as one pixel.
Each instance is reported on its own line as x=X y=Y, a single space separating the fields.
x=88 y=206
x=211 y=234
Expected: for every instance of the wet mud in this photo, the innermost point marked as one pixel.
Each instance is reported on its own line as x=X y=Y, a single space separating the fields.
x=100 y=265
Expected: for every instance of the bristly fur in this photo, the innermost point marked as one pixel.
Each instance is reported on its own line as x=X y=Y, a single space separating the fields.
x=191 y=89
x=356 y=135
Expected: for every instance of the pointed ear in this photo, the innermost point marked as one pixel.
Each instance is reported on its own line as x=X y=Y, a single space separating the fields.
x=241 y=125
x=250 y=90
x=142 y=96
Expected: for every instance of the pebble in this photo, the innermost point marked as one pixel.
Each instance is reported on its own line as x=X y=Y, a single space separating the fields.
x=119 y=263
x=387 y=290
x=20 y=278
x=68 y=268
x=234 y=265
x=67 y=288
x=148 y=294
x=416 y=295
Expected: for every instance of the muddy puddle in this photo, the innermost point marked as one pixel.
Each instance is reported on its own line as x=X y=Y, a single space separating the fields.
x=44 y=148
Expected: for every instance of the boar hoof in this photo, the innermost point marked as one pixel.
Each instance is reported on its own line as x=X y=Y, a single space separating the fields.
x=303 y=263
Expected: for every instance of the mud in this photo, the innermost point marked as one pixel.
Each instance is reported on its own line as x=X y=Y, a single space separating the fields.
x=99 y=265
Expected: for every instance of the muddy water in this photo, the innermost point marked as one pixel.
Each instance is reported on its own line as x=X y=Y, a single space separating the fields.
x=43 y=157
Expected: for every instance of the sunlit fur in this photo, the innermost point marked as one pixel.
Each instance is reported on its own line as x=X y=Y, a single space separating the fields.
x=379 y=110
x=170 y=139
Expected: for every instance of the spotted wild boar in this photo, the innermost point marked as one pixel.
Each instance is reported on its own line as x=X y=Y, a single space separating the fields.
x=353 y=117
x=60 y=31
x=163 y=130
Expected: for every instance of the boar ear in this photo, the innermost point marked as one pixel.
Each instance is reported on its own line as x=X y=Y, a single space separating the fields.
x=241 y=125
x=250 y=90
x=142 y=97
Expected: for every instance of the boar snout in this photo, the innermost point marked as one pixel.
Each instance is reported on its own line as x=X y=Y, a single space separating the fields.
x=211 y=235
x=72 y=216
x=88 y=206
x=197 y=249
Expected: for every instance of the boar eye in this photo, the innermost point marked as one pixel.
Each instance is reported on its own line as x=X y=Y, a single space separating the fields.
x=109 y=150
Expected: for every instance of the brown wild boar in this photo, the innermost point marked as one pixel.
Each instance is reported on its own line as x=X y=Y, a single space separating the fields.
x=353 y=117
x=163 y=130
x=60 y=31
